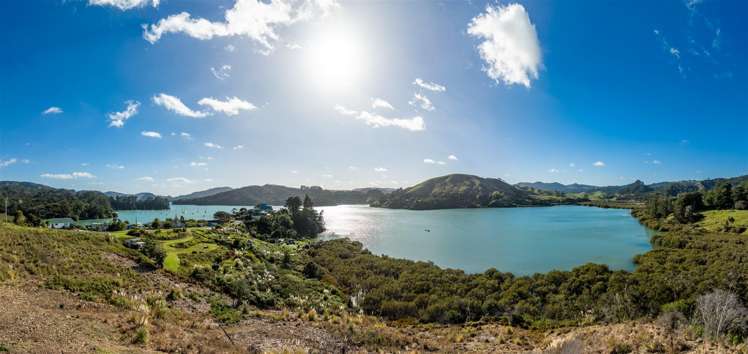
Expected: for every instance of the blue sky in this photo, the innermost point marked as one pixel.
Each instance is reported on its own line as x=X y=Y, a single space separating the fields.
x=176 y=96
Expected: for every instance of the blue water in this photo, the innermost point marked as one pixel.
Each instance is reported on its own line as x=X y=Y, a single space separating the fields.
x=197 y=212
x=518 y=240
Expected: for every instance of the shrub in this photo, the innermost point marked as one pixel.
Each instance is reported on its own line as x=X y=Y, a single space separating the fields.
x=720 y=312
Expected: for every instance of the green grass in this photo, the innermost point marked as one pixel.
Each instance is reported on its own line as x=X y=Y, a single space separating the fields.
x=714 y=220
x=77 y=261
x=197 y=242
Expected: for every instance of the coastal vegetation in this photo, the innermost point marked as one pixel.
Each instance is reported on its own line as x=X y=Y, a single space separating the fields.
x=271 y=261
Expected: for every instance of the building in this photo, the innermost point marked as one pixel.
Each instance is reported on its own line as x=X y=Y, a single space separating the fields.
x=136 y=243
x=59 y=223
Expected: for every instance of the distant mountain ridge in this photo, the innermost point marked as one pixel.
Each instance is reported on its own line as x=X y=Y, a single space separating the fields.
x=458 y=191
x=637 y=187
x=558 y=187
x=201 y=194
x=277 y=195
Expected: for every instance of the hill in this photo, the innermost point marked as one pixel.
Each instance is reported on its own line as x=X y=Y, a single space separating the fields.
x=558 y=187
x=277 y=195
x=201 y=194
x=457 y=191
x=37 y=201
x=140 y=201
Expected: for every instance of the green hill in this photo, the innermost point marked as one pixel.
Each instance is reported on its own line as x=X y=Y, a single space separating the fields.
x=277 y=195
x=37 y=201
x=458 y=191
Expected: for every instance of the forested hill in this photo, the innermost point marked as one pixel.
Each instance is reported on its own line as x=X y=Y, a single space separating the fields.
x=636 y=189
x=458 y=191
x=140 y=201
x=558 y=187
x=277 y=195
x=200 y=194
x=37 y=202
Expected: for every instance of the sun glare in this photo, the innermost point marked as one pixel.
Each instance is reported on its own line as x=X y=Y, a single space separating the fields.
x=335 y=60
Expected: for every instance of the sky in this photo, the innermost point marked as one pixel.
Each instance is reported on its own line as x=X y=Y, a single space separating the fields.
x=177 y=96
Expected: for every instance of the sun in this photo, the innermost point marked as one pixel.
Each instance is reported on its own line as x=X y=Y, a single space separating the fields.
x=335 y=59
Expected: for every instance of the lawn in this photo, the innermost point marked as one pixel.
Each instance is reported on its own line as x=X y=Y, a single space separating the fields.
x=714 y=220
x=174 y=248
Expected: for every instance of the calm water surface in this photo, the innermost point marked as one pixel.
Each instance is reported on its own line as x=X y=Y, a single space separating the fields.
x=517 y=240
x=197 y=212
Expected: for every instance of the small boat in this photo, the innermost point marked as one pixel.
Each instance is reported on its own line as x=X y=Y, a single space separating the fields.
x=427 y=230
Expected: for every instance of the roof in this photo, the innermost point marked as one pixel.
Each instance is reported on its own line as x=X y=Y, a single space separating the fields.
x=60 y=221
x=93 y=222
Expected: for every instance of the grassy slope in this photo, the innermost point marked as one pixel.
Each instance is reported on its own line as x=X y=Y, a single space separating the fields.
x=714 y=220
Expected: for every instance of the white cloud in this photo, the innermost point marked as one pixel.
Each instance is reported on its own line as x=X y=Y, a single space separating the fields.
x=255 y=19
x=74 y=175
x=185 y=135
x=510 y=44
x=327 y=175
x=115 y=166
x=571 y=164
x=229 y=48
x=151 y=134
x=599 y=164
x=380 y=103
x=428 y=85
x=229 y=107
x=53 y=110
x=293 y=46
x=213 y=145
x=179 y=180
x=145 y=179
x=124 y=4
x=657 y=162
x=175 y=105
x=238 y=147
x=6 y=163
x=553 y=170
x=452 y=157
x=117 y=119
x=429 y=161
x=294 y=172
x=675 y=52
x=352 y=168
x=222 y=73
x=422 y=101
x=198 y=164
x=380 y=169
x=441 y=162
x=376 y=121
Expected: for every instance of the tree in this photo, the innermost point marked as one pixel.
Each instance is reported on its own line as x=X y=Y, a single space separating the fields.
x=222 y=216
x=720 y=197
x=19 y=218
x=156 y=223
x=153 y=250
x=687 y=206
x=293 y=204
x=308 y=202
x=720 y=312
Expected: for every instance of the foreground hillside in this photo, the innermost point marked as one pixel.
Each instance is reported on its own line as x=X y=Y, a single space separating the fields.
x=69 y=291
x=458 y=191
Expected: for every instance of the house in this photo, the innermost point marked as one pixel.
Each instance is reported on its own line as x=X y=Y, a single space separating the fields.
x=59 y=223
x=94 y=224
x=262 y=207
x=134 y=226
x=136 y=243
